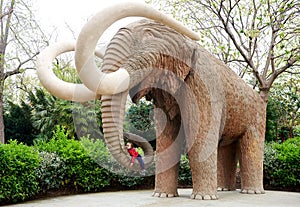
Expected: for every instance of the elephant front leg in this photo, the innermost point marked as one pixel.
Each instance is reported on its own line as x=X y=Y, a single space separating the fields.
x=204 y=174
x=166 y=182
x=169 y=146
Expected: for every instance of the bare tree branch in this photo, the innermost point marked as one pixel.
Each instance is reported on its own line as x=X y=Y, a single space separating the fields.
x=17 y=70
x=9 y=12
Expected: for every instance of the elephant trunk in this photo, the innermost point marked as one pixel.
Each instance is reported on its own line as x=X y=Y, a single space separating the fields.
x=113 y=108
x=112 y=123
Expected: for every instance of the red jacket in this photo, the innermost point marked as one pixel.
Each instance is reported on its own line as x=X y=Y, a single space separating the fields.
x=133 y=153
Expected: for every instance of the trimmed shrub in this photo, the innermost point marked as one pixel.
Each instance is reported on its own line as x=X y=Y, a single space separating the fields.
x=282 y=165
x=51 y=171
x=81 y=171
x=98 y=151
x=18 y=164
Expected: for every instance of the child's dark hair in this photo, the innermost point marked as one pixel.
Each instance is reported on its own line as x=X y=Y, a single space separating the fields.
x=131 y=144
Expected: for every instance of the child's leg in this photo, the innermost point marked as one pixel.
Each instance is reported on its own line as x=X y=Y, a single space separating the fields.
x=141 y=161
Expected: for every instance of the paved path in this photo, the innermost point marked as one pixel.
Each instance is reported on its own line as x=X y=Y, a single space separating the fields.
x=144 y=199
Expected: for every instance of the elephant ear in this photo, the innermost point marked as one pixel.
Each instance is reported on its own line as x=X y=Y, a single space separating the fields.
x=56 y=86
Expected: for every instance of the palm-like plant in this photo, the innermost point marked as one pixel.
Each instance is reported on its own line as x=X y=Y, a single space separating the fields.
x=48 y=111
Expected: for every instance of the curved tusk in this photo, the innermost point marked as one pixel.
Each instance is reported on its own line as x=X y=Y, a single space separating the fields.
x=56 y=86
x=92 y=31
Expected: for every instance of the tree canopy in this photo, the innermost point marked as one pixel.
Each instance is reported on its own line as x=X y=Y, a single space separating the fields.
x=257 y=36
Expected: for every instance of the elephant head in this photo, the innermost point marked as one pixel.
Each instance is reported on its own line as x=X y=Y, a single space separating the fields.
x=130 y=57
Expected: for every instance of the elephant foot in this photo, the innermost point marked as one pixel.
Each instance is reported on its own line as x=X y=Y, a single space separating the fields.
x=204 y=197
x=164 y=194
x=252 y=191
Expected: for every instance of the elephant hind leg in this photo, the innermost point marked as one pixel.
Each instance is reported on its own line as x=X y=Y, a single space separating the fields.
x=204 y=174
x=227 y=165
x=251 y=150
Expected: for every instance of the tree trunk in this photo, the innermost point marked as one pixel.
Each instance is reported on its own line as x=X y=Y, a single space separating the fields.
x=264 y=94
x=2 y=134
x=291 y=134
x=2 y=53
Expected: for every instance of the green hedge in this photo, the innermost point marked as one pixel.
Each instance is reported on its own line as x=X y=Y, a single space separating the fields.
x=96 y=149
x=80 y=172
x=282 y=165
x=18 y=165
x=88 y=165
x=51 y=171
x=63 y=163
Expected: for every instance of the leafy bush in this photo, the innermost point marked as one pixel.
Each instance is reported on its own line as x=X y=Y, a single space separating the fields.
x=81 y=171
x=18 y=164
x=18 y=124
x=51 y=171
x=139 y=120
x=185 y=175
x=98 y=151
x=282 y=164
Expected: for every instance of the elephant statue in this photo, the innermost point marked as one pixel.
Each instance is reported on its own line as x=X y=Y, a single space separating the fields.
x=201 y=106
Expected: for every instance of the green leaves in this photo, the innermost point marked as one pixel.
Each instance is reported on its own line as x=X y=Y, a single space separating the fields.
x=140 y=120
x=51 y=171
x=59 y=164
x=80 y=169
x=282 y=164
x=249 y=36
x=140 y=115
x=283 y=111
x=18 y=125
x=185 y=175
x=18 y=164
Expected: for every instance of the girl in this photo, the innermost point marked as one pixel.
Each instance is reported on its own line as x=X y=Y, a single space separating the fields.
x=134 y=154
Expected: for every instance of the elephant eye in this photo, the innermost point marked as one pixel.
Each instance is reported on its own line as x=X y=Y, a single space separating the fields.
x=148 y=33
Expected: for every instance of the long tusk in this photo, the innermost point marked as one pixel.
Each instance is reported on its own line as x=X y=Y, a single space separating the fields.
x=116 y=82
x=56 y=86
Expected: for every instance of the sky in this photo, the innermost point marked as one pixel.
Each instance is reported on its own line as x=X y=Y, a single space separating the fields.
x=67 y=17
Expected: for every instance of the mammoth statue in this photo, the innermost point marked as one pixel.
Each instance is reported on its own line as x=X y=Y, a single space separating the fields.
x=199 y=102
